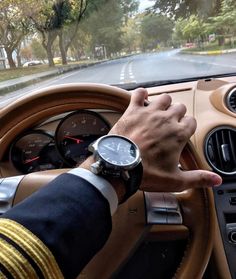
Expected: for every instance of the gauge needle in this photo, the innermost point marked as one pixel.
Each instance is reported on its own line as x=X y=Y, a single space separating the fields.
x=31 y=160
x=75 y=139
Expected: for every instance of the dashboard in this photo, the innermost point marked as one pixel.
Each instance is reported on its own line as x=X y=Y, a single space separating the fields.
x=64 y=146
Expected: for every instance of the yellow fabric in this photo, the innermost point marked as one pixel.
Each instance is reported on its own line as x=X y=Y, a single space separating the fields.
x=14 y=262
x=2 y=276
x=33 y=246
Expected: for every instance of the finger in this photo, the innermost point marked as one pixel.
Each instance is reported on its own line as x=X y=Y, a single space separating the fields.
x=162 y=102
x=190 y=125
x=138 y=97
x=177 y=110
x=200 y=178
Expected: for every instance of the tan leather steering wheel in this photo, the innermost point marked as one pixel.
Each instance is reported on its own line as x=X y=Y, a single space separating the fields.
x=129 y=225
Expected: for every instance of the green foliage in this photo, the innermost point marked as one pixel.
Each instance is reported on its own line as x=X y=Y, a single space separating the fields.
x=189 y=29
x=225 y=22
x=129 y=8
x=131 y=34
x=104 y=26
x=14 y=26
x=185 y=8
x=37 y=50
x=155 y=29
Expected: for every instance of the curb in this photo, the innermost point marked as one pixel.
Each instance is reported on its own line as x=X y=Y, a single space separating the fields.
x=57 y=72
x=211 y=52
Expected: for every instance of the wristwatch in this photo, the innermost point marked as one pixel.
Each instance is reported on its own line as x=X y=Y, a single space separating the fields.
x=117 y=156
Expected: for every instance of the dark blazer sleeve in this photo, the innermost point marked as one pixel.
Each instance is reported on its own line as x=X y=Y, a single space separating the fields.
x=69 y=220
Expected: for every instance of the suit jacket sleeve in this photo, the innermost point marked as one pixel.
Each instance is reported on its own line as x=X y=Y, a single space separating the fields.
x=55 y=232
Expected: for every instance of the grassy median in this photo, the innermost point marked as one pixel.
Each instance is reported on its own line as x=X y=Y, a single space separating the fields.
x=21 y=72
x=210 y=47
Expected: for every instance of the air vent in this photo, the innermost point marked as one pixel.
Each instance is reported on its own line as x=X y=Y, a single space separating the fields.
x=220 y=150
x=231 y=100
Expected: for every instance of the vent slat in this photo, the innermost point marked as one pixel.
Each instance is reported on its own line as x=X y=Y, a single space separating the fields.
x=232 y=144
x=218 y=148
x=221 y=150
x=231 y=100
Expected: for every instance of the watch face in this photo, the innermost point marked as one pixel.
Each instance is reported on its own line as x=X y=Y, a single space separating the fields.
x=118 y=151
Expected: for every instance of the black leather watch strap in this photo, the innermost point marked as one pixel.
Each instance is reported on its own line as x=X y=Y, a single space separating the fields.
x=133 y=183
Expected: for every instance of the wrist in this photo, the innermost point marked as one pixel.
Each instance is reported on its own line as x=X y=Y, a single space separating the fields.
x=117 y=183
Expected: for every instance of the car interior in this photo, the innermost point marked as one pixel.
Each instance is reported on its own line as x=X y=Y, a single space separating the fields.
x=155 y=235
x=46 y=131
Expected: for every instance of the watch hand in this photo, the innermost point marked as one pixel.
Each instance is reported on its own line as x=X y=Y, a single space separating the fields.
x=78 y=141
x=110 y=148
x=31 y=160
x=118 y=147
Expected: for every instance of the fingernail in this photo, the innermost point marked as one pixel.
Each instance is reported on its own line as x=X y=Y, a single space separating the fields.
x=217 y=180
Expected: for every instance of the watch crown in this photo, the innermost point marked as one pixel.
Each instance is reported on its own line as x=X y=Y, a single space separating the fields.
x=96 y=167
x=91 y=147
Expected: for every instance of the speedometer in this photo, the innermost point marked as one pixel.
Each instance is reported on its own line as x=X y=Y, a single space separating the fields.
x=35 y=151
x=75 y=133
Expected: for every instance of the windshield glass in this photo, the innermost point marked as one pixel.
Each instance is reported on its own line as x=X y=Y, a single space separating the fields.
x=118 y=42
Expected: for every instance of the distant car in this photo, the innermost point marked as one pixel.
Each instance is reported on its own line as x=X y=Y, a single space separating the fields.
x=32 y=63
x=70 y=59
x=190 y=45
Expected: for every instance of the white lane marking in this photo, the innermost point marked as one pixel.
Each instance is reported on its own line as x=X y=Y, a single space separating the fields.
x=203 y=62
x=126 y=75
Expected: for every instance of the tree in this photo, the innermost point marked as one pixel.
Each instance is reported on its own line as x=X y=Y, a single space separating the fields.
x=104 y=25
x=225 y=22
x=193 y=29
x=13 y=27
x=72 y=13
x=155 y=29
x=81 y=45
x=186 y=8
x=37 y=50
x=129 y=8
x=131 y=34
x=26 y=53
x=47 y=18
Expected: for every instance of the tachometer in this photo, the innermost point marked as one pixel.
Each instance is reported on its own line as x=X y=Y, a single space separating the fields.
x=35 y=151
x=76 y=131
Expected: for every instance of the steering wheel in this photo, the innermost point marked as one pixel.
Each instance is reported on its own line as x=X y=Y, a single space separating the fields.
x=129 y=223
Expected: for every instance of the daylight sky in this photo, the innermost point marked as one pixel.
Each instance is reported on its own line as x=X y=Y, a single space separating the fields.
x=145 y=4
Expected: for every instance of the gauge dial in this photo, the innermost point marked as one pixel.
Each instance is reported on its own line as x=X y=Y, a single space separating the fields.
x=76 y=132
x=35 y=151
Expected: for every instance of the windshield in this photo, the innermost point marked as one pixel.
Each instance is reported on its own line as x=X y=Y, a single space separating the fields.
x=120 y=42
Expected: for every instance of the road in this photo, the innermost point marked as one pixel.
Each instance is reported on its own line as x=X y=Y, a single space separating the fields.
x=142 y=68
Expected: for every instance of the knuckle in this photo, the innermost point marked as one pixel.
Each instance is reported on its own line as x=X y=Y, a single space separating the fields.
x=190 y=124
x=180 y=106
x=165 y=98
x=181 y=133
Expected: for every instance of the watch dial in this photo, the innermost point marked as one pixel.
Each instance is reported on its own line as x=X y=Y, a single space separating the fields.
x=117 y=151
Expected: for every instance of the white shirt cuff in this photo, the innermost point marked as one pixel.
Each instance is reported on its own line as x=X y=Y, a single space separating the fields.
x=101 y=184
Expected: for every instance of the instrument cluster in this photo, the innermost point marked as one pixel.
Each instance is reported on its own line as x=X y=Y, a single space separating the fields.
x=38 y=150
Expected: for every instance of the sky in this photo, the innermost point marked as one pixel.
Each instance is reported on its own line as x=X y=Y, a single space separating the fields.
x=145 y=4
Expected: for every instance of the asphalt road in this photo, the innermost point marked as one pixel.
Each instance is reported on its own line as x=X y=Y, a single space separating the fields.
x=142 y=68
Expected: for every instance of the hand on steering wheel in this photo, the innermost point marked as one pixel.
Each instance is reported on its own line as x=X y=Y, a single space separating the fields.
x=161 y=131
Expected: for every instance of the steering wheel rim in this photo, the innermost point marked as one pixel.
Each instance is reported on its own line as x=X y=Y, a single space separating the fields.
x=196 y=204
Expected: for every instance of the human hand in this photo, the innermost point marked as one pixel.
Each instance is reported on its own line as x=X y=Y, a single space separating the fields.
x=161 y=130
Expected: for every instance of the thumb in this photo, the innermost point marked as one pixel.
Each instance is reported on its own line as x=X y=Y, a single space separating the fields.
x=200 y=178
